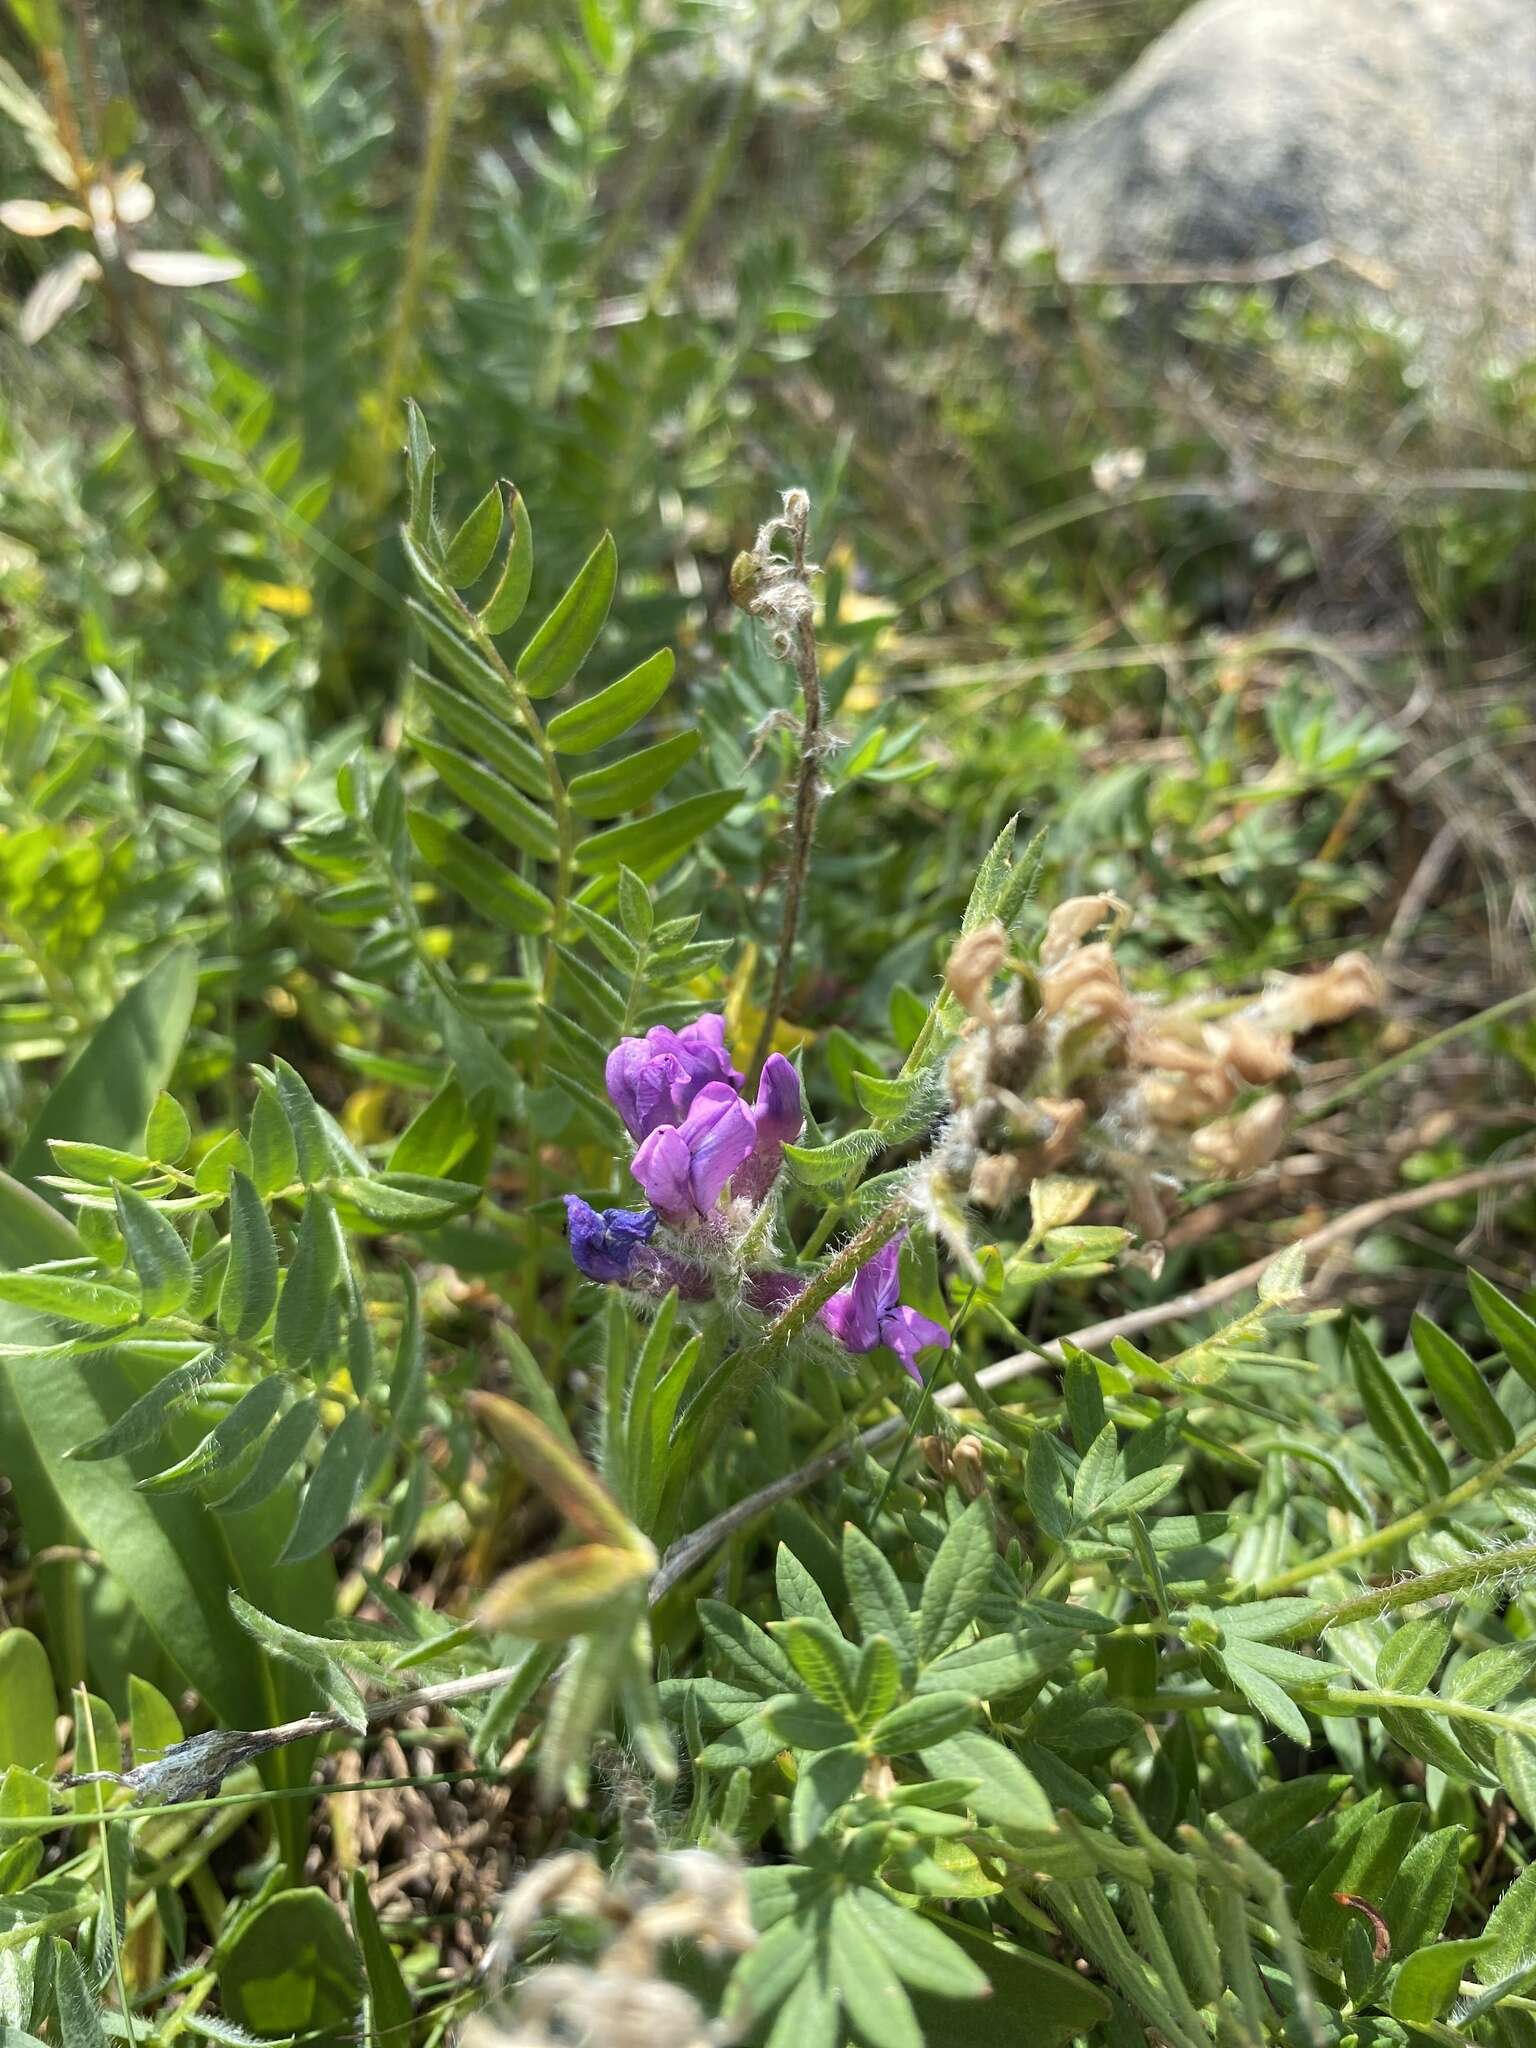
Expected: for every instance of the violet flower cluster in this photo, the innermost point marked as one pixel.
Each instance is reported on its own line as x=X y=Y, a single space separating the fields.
x=706 y=1160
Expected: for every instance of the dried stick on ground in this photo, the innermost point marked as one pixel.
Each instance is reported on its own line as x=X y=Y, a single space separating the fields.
x=690 y=1551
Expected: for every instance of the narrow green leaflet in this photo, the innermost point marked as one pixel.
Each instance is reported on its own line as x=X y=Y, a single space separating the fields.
x=159 y=1258
x=486 y=883
x=650 y=844
x=1510 y=1327
x=504 y=607
x=582 y=728
x=70 y=1297
x=565 y=639
x=625 y=785
x=147 y=1419
x=491 y=797
x=230 y=1438
x=468 y=554
x=332 y=1491
x=1461 y=1393
x=249 y=1291
x=276 y=1459
x=304 y=1333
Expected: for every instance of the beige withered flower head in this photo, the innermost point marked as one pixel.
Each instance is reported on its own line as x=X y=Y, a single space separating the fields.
x=1298 y=1003
x=974 y=965
x=1071 y=1068
x=1234 y=1146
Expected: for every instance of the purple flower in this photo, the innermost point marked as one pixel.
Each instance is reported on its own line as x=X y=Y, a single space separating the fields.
x=605 y=1243
x=867 y=1312
x=654 y=1081
x=684 y=1170
x=778 y=1120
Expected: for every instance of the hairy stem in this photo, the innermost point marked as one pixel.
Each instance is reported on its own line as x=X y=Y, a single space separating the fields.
x=801 y=636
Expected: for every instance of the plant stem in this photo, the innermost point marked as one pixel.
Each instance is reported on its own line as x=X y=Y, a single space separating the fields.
x=802 y=655
x=1363 y=1083
x=1496 y=1565
x=1405 y=1526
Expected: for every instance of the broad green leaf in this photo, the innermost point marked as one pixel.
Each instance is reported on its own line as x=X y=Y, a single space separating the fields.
x=1461 y=1393
x=805 y=1723
x=1006 y=1792
x=871 y=1989
x=752 y=1655
x=109 y=1091
x=1097 y=1474
x=1408 y=1660
x=582 y=728
x=249 y=1292
x=154 y=1723
x=625 y=785
x=879 y=1602
x=920 y=1953
x=826 y=1782
x=291 y=1968
x=491 y=797
x=468 y=554
x=799 y=1594
x=877 y=1683
x=653 y=843
x=155 y=1249
x=921 y=1723
x=823 y=1166
x=438 y=1136
x=1428 y=1983
x=560 y=646
x=75 y=2006
x=165 y=1563
x=1364 y=1867
x=1510 y=1930
x=331 y=1494
x=305 y=1121
x=1424 y=1890
x=504 y=607
x=100 y=1164
x=957 y=1580
x=28 y=1703
x=820 y=1658
x=274 y=1156
x=483 y=881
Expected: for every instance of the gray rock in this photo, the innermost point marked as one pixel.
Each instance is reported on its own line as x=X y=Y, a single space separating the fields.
x=1394 y=138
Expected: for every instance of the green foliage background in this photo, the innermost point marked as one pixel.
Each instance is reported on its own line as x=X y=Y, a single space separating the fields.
x=378 y=744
